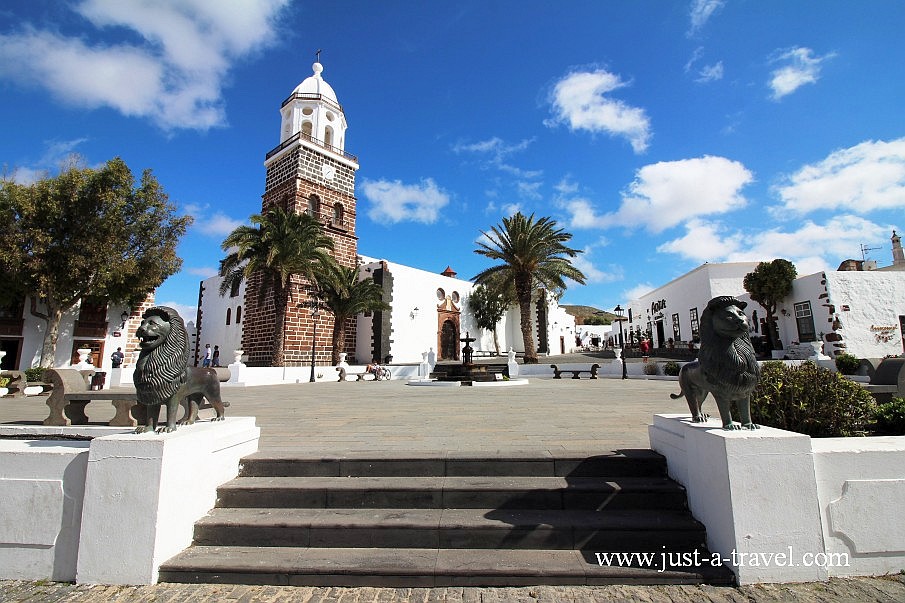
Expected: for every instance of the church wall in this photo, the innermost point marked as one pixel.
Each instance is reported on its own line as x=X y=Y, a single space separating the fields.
x=212 y=328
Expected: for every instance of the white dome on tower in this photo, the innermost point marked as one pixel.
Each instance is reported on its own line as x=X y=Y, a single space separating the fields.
x=313 y=113
x=316 y=85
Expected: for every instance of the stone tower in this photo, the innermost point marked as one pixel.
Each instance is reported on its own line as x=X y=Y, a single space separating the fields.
x=309 y=171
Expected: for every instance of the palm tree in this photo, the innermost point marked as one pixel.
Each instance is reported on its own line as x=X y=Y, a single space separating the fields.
x=279 y=245
x=346 y=296
x=533 y=253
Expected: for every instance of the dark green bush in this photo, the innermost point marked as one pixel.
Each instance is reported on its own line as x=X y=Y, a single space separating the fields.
x=651 y=368
x=35 y=373
x=671 y=368
x=811 y=400
x=891 y=417
x=847 y=364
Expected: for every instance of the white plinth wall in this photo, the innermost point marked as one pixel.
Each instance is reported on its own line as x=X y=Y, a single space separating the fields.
x=783 y=507
x=111 y=510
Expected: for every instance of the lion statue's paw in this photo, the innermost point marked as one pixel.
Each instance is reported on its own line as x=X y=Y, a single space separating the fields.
x=165 y=429
x=143 y=429
x=751 y=426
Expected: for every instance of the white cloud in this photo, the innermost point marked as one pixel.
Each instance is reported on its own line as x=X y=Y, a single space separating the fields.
x=638 y=291
x=580 y=101
x=56 y=156
x=667 y=193
x=811 y=246
x=799 y=67
x=393 y=202
x=582 y=213
x=218 y=225
x=187 y=312
x=203 y=271
x=703 y=242
x=710 y=73
x=510 y=209
x=173 y=75
x=594 y=274
x=866 y=177
x=700 y=12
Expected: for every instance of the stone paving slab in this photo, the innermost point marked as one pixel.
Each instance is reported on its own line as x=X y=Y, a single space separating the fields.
x=879 y=590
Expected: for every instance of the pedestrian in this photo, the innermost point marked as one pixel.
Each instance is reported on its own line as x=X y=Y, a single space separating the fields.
x=208 y=354
x=216 y=357
x=117 y=358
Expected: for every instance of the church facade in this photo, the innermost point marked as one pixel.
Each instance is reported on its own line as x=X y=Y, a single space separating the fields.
x=311 y=171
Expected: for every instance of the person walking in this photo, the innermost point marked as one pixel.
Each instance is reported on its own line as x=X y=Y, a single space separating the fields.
x=215 y=359
x=117 y=358
x=208 y=354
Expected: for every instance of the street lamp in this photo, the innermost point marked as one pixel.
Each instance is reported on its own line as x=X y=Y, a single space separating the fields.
x=314 y=314
x=620 y=316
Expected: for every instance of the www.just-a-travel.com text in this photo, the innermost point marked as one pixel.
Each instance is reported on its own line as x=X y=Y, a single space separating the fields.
x=666 y=560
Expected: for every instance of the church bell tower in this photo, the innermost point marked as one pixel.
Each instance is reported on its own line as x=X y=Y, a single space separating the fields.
x=309 y=171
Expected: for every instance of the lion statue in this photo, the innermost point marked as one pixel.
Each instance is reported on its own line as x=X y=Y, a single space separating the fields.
x=726 y=366
x=163 y=377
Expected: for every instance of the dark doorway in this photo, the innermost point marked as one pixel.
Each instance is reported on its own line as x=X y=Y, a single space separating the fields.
x=10 y=362
x=449 y=341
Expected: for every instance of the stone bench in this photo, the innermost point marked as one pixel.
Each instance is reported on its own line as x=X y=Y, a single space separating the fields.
x=888 y=380
x=360 y=373
x=71 y=393
x=576 y=373
x=17 y=383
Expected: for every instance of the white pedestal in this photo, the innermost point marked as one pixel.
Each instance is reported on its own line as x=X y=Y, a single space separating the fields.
x=143 y=494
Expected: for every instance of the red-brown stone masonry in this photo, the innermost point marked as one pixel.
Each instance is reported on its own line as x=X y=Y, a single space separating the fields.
x=258 y=334
x=131 y=348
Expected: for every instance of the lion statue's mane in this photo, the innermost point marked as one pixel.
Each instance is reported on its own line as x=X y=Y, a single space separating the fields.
x=726 y=366
x=163 y=370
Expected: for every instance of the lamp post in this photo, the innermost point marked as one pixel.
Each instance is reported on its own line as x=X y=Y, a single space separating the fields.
x=314 y=314
x=620 y=316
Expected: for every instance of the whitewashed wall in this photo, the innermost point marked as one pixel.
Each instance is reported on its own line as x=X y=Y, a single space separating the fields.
x=214 y=329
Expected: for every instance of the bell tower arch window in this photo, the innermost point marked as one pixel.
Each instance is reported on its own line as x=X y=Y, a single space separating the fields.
x=306 y=128
x=328 y=136
x=339 y=215
x=314 y=206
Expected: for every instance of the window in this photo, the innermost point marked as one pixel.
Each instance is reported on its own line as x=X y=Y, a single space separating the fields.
x=228 y=315
x=314 y=206
x=695 y=331
x=238 y=314
x=676 y=334
x=338 y=214
x=328 y=136
x=234 y=288
x=805 y=321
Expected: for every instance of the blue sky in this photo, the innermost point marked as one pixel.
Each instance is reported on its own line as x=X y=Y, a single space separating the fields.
x=662 y=134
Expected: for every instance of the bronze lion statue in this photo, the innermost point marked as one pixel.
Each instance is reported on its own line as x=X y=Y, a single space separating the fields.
x=163 y=377
x=726 y=366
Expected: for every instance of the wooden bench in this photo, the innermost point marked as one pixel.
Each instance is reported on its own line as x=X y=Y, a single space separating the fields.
x=576 y=373
x=888 y=380
x=71 y=394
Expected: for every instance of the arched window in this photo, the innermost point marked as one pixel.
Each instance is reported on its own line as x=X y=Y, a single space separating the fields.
x=328 y=136
x=314 y=206
x=306 y=129
x=238 y=314
x=228 y=315
x=339 y=214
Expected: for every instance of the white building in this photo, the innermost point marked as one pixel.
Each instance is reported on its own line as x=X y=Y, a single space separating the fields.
x=859 y=309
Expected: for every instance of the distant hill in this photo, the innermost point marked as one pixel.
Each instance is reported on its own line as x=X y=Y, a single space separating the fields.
x=582 y=313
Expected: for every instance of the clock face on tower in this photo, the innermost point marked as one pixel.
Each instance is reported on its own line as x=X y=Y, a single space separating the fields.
x=328 y=171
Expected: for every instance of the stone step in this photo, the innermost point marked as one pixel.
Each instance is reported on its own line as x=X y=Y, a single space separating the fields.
x=453 y=492
x=423 y=567
x=627 y=530
x=618 y=464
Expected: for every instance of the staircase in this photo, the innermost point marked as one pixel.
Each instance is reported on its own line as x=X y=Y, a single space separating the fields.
x=445 y=521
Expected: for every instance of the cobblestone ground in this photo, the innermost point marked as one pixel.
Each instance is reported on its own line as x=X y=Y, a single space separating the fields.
x=881 y=590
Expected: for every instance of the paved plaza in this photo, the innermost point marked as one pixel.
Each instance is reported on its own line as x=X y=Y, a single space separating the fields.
x=394 y=419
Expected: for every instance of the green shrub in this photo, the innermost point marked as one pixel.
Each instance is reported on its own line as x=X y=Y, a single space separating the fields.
x=890 y=417
x=671 y=368
x=35 y=373
x=847 y=364
x=811 y=400
x=651 y=368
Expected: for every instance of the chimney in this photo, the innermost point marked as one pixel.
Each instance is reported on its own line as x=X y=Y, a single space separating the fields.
x=898 y=258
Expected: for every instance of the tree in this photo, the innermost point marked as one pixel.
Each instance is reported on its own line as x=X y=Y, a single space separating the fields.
x=279 y=245
x=488 y=307
x=87 y=234
x=533 y=254
x=769 y=284
x=346 y=296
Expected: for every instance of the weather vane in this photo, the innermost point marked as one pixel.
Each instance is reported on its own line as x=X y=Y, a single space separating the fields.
x=318 y=55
